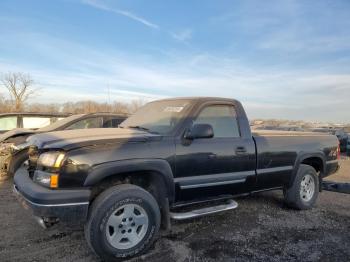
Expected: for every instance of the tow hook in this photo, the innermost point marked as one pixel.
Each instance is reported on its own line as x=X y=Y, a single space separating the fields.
x=46 y=222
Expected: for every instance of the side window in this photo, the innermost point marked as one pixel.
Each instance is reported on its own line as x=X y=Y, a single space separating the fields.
x=33 y=122
x=94 y=122
x=112 y=122
x=8 y=123
x=222 y=118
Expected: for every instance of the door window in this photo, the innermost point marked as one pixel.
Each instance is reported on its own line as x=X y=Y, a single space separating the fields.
x=94 y=122
x=112 y=122
x=222 y=118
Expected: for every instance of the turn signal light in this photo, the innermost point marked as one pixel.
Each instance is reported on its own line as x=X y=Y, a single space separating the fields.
x=54 y=181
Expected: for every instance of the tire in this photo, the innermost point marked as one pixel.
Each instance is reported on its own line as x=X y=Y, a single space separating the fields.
x=119 y=218
x=303 y=193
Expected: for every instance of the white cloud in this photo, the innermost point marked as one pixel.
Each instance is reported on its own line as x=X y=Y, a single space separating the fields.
x=100 y=5
x=183 y=35
x=266 y=92
x=295 y=41
x=269 y=94
x=289 y=27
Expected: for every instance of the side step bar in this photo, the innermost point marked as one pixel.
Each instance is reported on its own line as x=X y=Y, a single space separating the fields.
x=203 y=200
x=231 y=204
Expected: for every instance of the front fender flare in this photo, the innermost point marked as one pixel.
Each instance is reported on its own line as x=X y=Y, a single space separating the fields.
x=159 y=166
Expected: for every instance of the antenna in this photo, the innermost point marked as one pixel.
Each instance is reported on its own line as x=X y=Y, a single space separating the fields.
x=108 y=93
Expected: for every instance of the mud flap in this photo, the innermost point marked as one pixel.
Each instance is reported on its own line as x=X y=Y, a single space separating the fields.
x=166 y=224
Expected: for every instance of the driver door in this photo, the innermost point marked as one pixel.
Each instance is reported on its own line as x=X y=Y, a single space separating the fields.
x=224 y=164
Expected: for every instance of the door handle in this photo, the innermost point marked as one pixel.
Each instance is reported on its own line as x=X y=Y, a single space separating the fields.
x=241 y=150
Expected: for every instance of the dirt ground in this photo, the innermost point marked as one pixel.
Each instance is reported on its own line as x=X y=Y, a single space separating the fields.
x=260 y=229
x=343 y=175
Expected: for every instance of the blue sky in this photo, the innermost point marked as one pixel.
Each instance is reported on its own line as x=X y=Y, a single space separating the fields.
x=282 y=59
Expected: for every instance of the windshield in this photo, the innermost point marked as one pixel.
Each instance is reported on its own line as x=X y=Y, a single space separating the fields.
x=158 y=117
x=60 y=123
x=8 y=123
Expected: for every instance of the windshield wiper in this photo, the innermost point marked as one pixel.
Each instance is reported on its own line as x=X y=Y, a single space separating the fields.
x=143 y=128
x=139 y=127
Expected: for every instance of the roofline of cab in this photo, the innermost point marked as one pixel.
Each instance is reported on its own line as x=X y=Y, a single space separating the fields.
x=199 y=99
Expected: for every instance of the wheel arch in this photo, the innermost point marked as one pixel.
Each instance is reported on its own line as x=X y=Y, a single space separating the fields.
x=315 y=160
x=157 y=172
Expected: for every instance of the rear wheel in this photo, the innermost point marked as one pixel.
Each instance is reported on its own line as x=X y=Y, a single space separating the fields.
x=123 y=222
x=304 y=191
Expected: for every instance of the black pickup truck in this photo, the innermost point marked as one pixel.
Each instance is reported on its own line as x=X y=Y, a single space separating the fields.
x=123 y=184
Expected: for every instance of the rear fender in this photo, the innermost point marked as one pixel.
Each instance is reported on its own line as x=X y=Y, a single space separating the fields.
x=303 y=156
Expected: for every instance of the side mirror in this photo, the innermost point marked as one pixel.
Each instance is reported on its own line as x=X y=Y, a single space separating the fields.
x=200 y=131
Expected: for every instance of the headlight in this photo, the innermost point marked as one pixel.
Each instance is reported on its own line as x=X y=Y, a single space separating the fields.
x=46 y=179
x=51 y=159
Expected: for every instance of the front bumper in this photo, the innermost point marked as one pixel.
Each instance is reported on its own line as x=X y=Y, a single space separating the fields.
x=66 y=205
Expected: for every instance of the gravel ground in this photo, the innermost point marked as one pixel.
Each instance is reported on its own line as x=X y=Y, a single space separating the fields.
x=261 y=229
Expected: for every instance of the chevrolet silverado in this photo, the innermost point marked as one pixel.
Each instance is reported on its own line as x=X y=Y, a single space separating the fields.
x=173 y=159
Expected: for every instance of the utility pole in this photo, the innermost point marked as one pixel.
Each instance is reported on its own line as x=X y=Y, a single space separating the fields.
x=109 y=93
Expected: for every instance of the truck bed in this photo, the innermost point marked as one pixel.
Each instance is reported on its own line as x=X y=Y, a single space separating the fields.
x=286 y=133
x=279 y=151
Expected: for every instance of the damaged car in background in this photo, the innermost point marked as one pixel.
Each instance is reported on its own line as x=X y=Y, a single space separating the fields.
x=22 y=121
x=14 y=141
x=174 y=159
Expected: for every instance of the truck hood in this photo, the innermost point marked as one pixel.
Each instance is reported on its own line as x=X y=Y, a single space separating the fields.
x=71 y=139
x=16 y=132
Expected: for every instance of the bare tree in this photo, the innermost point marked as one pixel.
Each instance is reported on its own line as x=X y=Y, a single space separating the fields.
x=19 y=86
x=135 y=105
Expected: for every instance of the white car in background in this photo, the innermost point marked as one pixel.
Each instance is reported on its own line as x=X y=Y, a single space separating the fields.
x=11 y=121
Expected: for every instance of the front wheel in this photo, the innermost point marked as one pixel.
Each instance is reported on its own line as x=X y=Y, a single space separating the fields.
x=304 y=191
x=123 y=222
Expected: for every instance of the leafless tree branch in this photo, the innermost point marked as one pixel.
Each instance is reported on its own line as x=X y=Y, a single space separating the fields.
x=20 y=88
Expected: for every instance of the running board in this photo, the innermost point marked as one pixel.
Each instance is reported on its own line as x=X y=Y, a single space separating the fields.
x=231 y=204
x=202 y=200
